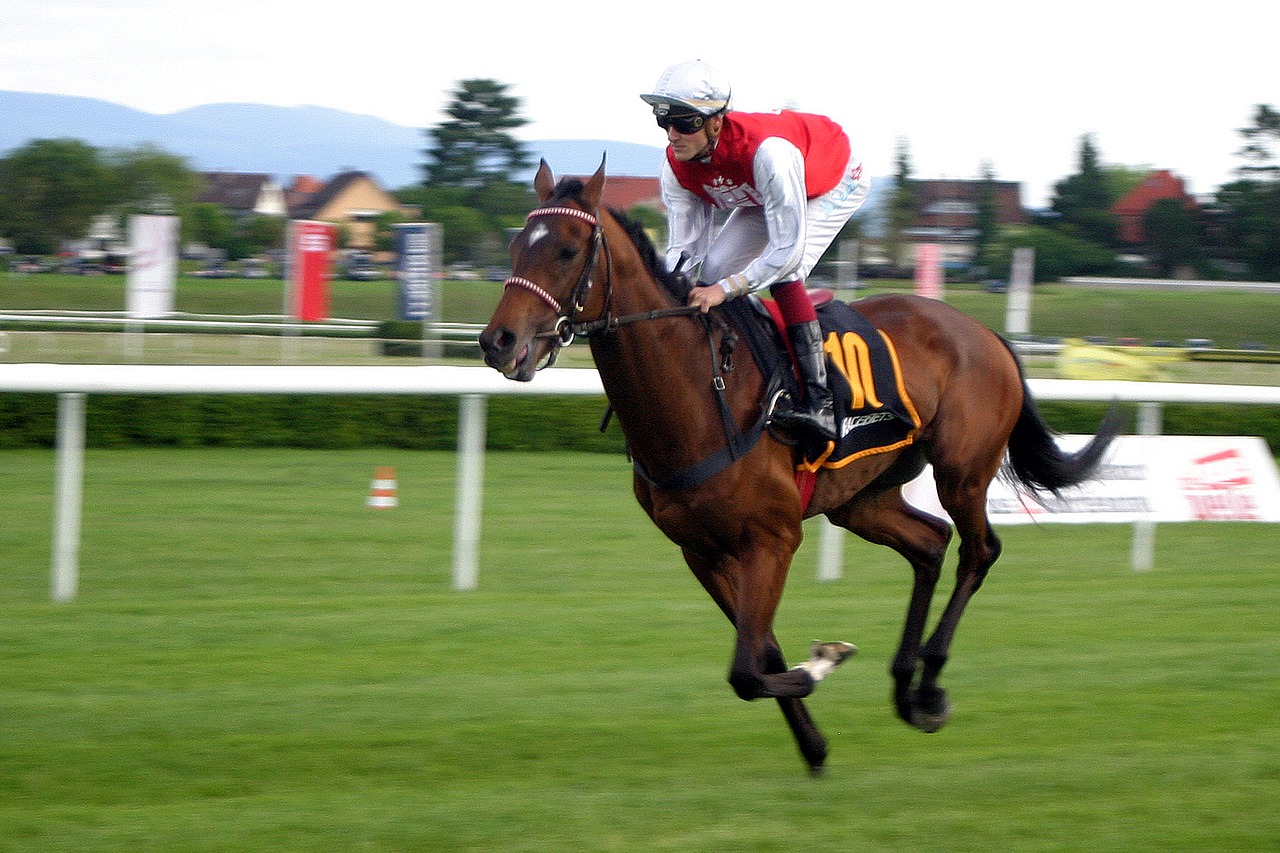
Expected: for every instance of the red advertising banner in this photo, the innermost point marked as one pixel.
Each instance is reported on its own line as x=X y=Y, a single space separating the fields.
x=310 y=247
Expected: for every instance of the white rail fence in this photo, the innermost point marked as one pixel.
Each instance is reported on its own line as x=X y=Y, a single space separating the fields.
x=472 y=385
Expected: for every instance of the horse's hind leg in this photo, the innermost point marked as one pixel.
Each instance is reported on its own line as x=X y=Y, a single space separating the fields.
x=886 y=519
x=722 y=588
x=965 y=501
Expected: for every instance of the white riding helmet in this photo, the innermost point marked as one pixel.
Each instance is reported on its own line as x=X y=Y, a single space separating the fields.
x=689 y=87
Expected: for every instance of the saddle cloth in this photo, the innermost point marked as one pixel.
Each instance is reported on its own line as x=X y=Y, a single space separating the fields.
x=874 y=414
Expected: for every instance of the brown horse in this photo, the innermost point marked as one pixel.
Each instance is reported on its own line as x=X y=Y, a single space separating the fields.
x=579 y=268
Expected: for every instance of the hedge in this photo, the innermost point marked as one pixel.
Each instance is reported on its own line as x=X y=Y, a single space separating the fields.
x=314 y=421
x=431 y=422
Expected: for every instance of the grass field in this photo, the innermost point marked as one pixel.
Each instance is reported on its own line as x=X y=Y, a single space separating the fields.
x=1229 y=318
x=257 y=662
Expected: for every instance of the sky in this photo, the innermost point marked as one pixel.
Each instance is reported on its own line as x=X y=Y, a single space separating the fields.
x=1013 y=84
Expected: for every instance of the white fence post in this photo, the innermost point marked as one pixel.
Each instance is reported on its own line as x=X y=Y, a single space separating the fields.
x=830 y=550
x=70 y=490
x=467 y=518
x=1142 y=551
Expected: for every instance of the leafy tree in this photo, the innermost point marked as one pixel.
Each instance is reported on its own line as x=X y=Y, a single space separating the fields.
x=470 y=184
x=475 y=146
x=1260 y=137
x=384 y=230
x=1245 y=226
x=1173 y=236
x=461 y=224
x=505 y=204
x=1057 y=254
x=149 y=180
x=259 y=233
x=50 y=190
x=901 y=213
x=211 y=224
x=988 y=217
x=1083 y=201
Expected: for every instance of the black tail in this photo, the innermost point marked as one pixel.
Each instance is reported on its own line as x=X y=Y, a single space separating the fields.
x=1039 y=464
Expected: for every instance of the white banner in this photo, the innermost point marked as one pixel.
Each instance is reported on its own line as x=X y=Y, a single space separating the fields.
x=153 y=266
x=1161 y=478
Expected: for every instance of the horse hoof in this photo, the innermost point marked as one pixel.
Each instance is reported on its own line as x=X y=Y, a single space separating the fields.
x=835 y=653
x=929 y=720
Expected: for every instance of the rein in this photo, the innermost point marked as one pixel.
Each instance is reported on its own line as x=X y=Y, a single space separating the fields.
x=568 y=326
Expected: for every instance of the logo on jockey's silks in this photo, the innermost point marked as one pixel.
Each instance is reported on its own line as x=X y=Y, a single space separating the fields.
x=726 y=194
x=848 y=425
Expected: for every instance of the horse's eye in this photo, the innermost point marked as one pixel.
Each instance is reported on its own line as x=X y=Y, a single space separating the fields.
x=568 y=253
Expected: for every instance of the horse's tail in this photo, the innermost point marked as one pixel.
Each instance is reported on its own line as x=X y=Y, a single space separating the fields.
x=1035 y=459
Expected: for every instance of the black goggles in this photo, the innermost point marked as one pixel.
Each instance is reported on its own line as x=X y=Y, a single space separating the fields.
x=683 y=123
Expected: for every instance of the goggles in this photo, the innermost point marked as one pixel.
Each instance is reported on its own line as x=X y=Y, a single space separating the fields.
x=685 y=123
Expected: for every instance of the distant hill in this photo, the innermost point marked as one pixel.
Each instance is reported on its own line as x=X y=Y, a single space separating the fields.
x=281 y=141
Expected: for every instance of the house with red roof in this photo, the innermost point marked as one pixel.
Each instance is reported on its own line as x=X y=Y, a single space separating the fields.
x=1130 y=210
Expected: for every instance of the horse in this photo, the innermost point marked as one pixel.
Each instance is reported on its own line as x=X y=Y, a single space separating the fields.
x=733 y=506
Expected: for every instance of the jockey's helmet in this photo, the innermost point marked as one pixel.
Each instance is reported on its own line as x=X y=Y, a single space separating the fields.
x=689 y=87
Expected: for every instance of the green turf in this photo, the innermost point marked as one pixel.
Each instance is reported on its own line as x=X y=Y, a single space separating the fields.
x=1229 y=318
x=258 y=662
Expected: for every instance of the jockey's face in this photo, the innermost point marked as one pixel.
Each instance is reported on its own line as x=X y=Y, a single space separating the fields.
x=698 y=144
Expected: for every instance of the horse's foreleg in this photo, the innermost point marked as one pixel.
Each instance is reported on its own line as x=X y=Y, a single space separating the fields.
x=809 y=740
x=886 y=519
x=721 y=585
x=761 y=576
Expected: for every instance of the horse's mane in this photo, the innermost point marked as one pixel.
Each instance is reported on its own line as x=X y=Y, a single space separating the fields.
x=677 y=286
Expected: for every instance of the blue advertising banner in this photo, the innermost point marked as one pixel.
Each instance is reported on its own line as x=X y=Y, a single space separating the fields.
x=418 y=246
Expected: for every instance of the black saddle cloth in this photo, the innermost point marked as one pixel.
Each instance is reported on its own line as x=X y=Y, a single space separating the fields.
x=873 y=412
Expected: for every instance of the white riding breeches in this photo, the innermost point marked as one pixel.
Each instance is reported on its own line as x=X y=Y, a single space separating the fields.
x=744 y=235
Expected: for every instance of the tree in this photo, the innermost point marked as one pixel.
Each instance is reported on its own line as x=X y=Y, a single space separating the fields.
x=988 y=213
x=470 y=184
x=50 y=190
x=1057 y=253
x=1259 y=139
x=475 y=146
x=1083 y=201
x=1173 y=236
x=149 y=180
x=1245 y=226
x=902 y=204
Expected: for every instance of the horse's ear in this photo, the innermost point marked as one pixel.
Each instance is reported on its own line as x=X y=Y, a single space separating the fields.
x=543 y=182
x=594 y=189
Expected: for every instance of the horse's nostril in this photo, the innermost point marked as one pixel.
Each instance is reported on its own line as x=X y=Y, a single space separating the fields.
x=498 y=340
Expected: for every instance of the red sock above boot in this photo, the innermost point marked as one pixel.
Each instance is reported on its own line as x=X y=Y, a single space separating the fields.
x=794 y=302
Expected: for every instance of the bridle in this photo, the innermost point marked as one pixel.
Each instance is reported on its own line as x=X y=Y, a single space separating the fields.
x=568 y=326
x=737 y=443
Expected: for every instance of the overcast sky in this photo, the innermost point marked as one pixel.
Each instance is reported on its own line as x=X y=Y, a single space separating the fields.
x=1165 y=85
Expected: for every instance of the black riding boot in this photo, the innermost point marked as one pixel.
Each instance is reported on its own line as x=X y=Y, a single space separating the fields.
x=816 y=415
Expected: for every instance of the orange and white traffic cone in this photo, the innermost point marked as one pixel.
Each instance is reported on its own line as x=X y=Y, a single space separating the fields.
x=382 y=492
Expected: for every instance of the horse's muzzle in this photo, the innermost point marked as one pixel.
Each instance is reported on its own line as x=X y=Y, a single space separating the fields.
x=506 y=353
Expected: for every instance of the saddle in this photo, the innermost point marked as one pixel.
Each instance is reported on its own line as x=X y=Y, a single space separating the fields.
x=874 y=414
